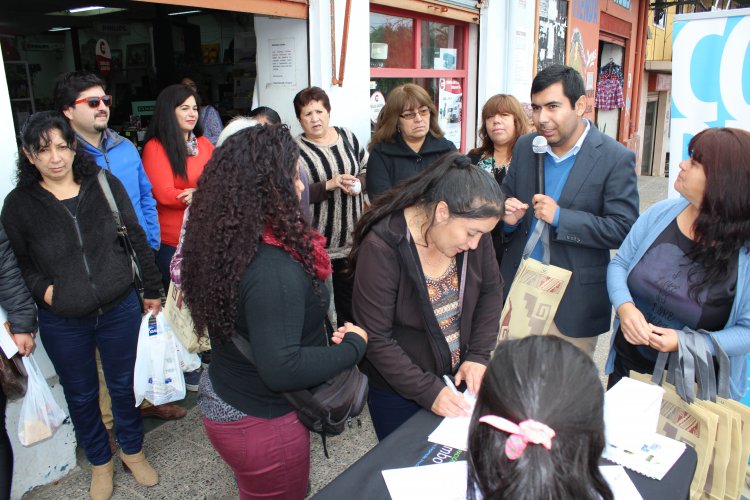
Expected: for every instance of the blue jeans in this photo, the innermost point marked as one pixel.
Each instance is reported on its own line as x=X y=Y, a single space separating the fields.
x=163 y=260
x=388 y=410
x=70 y=344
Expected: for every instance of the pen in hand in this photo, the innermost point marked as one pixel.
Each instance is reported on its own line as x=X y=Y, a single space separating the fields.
x=451 y=385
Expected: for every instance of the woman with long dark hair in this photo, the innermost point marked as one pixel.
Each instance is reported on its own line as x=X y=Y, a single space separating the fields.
x=174 y=156
x=406 y=140
x=427 y=289
x=538 y=426
x=253 y=268
x=61 y=228
x=685 y=263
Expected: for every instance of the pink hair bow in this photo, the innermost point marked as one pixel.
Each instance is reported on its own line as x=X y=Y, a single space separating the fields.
x=528 y=431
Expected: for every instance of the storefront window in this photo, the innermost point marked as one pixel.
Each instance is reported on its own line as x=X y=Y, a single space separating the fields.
x=391 y=41
x=406 y=47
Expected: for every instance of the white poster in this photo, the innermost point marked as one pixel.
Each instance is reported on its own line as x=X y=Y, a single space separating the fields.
x=710 y=78
x=282 y=62
x=450 y=106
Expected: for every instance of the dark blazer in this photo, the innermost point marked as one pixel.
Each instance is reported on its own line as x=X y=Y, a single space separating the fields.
x=598 y=205
x=392 y=162
x=407 y=352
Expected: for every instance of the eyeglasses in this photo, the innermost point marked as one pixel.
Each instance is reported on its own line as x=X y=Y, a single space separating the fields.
x=94 y=101
x=410 y=115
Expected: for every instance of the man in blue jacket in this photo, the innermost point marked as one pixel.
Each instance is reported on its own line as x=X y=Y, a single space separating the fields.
x=80 y=96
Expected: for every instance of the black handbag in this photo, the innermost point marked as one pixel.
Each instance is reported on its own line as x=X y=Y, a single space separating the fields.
x=13 y=377
x=326 y=408
x=122 y=233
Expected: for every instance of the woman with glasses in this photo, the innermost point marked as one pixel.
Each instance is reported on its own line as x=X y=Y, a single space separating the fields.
x=61 y=228
x=174 y=156
x=335 y=166
x=406 y=141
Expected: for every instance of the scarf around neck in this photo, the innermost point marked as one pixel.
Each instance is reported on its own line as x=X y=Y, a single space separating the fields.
x=321 y=261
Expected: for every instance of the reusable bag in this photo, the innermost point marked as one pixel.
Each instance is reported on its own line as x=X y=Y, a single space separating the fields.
x=40 y=413
x=189 y=361
x=178 y=316
x=535 y=293
x=158 y=377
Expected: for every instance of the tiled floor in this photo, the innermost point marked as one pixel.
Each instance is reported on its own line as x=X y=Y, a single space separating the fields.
x=189 y=467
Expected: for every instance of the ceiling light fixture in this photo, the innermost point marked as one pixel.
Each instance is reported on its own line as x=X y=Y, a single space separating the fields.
x=84 y=9
x=58 y=28
x=183 y=13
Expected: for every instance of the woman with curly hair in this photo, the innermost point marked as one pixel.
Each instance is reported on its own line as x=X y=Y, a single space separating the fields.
x=684 y=265
x=533 y=435
x=253 y=268
x=174 y=156
x=61 y=229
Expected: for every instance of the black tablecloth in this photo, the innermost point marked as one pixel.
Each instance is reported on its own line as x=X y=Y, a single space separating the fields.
x=408 y=447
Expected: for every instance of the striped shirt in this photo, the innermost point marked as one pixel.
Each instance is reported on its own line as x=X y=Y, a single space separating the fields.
x=336 y=216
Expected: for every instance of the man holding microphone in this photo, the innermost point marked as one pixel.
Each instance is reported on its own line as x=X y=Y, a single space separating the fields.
x=589 y=200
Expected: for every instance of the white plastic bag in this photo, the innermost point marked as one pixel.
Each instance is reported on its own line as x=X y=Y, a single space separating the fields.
x=40 y=413
x=189 y=361
x=158 y=377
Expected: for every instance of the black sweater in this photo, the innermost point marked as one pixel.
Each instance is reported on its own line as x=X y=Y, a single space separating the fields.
x=283 y=317
x=14 y=296
x=393 y=162
x=82 y=255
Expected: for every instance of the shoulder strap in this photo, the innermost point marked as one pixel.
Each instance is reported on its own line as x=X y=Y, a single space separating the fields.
x=104 y=183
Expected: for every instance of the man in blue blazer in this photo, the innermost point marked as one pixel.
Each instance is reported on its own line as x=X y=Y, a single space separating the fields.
x=590 y=201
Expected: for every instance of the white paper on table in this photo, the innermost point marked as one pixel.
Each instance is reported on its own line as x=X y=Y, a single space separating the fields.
x=6 y=340
x=454 y=431
x=631 y=412
x=446 y=481
x=653 y=459
x=621 y=485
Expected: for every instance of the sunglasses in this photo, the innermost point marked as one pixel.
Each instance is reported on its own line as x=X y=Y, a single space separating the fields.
x=93 y=102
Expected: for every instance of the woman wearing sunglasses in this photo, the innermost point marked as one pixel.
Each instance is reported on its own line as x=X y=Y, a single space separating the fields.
x=174 y=156
x=406 y=141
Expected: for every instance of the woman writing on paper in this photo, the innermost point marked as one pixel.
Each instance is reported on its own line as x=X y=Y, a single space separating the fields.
x=63 y=233
x=685 y=263
x=428 y=290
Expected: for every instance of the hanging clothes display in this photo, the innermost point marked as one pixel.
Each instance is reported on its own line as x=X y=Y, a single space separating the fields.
x=609 y=87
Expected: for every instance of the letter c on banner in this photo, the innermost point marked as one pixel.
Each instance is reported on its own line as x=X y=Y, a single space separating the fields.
x=683 y=96
x=733 y=89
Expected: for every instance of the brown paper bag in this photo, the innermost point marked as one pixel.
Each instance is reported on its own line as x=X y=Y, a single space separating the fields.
x=178 y=316
x=737 y=462
x=533 y=300
x=716 y=477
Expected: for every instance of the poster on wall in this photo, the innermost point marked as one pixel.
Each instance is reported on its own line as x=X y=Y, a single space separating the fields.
x=450 y=104
x=103 y=57
x=282 y=63
x=583 y=45
x=710 y=78
x=553 y=25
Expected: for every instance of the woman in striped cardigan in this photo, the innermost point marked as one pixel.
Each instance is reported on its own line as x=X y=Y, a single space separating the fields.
x=335 y=165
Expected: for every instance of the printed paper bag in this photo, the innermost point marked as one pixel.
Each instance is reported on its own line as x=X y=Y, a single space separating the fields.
x=179 y=319
x=533 y=299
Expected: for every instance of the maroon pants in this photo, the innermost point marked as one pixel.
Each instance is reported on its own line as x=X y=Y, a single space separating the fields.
x=269 y=457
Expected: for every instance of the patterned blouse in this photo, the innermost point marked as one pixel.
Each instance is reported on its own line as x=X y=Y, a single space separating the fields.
x=443 y=294
x=498 y=171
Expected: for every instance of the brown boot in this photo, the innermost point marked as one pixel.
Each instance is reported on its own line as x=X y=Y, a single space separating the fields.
x=166 y=411
x=101 y=481
x=142 y=471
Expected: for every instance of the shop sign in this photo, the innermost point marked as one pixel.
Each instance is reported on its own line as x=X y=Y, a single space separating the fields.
x=103 y=57
x=450 y=106
x=377 y=102
x=112 y=28
x=43 y=46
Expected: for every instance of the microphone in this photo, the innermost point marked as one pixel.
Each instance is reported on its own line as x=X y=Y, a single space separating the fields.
x=539 y=145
